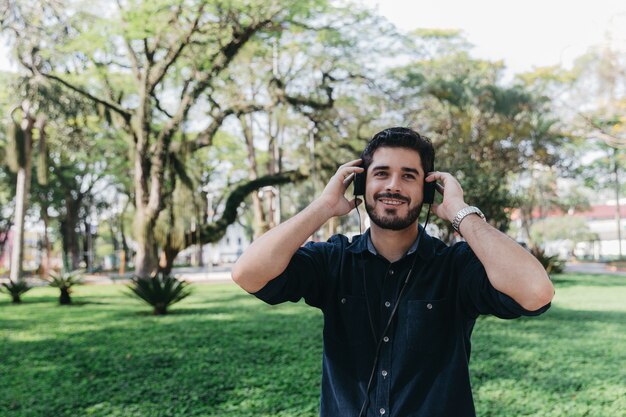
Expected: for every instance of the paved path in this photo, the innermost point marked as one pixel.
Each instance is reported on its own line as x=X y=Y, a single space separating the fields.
x=592 y=268
x=196 y=274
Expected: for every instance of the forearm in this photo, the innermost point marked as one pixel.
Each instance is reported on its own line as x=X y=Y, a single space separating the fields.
x=268 y=256
x=510 y=268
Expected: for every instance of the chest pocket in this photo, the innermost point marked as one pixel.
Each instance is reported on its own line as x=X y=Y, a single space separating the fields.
x=352 y=326
x=428 y=325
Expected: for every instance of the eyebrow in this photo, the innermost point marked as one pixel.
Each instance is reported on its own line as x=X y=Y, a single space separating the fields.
x=403 y=169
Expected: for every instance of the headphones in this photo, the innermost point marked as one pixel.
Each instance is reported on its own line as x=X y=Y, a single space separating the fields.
x=361 y=177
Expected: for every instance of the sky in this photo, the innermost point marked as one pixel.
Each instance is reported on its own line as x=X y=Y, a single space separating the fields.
x=525 y=34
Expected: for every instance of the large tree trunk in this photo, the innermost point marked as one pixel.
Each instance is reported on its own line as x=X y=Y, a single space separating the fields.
x=168 y=255
x=259 y=223
x=146 y=256
x=47 y=246
x=21 y=195
x=70 y=235
x=21 y=204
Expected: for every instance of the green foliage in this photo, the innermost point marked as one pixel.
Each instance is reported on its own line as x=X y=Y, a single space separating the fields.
x=552 y=264
x=484 y=132
x=159 y=291
x=64 y=281
x=224 y=353
x=15 y=289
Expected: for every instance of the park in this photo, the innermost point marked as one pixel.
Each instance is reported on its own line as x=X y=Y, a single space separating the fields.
x=144 y=145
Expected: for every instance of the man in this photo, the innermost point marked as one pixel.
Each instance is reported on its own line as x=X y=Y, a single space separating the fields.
x=399 y=306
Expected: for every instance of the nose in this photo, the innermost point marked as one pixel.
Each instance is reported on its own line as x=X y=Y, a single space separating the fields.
x=393 y=183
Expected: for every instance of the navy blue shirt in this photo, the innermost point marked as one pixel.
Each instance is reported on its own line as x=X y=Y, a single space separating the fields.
x=422 y=368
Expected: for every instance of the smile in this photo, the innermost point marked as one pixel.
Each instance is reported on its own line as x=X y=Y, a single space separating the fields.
x=391 y=202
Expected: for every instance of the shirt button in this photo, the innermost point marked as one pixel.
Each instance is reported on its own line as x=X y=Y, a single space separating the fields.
x=385 y=339
x=387 y=304
x=391 y=272
x=382 y=411
x=343 y=301
x=384 y=373
x=429 y=306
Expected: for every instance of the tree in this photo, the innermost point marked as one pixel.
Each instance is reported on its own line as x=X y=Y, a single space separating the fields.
x=151 y=66
x=19 y=159
x=483 y=132
x=590 y=98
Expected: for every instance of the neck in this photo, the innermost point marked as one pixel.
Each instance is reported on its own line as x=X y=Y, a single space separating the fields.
x=393 y=244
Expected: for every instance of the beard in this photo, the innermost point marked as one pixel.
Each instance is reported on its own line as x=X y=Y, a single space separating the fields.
x=391 y=220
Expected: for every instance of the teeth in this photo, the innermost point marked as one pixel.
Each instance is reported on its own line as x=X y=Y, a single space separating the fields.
x=392 y=202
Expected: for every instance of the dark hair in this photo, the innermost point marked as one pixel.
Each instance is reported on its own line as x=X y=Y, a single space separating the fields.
x=401 y=137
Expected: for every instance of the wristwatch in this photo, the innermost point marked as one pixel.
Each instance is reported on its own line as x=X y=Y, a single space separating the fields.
x=464 y=213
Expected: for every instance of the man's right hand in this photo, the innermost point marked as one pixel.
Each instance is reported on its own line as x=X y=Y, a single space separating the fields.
x=333 y=195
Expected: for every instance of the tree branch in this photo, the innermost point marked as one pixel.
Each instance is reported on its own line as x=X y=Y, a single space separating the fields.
x=221 y=60
x=157 y=104
x=301 y=101
x=213 y=232
x=607 y=137
x=173 y=53
x=205 y=138
x=112 y=106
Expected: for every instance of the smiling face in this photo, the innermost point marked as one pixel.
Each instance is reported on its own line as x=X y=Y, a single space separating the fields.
x=394 y=189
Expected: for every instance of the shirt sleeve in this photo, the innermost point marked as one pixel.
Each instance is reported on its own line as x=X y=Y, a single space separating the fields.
x=304 y=277
x=477 y=295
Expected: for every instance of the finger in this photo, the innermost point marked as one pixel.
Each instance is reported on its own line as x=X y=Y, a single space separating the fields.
x=351 y=163
x=434 y=176
x=347 y=180
x=349 y=171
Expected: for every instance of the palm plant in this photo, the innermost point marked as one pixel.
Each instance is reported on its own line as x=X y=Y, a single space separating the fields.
x=552 y=264
x=159 y=291
x=64 y=281
x=15 y=289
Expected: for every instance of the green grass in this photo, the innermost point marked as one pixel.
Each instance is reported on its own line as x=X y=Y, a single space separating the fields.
x=224 y=353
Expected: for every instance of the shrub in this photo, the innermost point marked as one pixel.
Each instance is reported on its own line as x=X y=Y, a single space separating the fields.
x=159 y=291
x=64 y=281
x=552 y=264
x=15 y=289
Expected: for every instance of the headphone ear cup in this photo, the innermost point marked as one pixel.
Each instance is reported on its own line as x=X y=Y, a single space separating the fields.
x=359 y=183
x=429 y=192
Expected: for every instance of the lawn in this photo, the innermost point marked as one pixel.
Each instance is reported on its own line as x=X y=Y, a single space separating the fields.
x=223 y=353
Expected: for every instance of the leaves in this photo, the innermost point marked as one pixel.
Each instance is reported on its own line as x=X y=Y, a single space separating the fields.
x=160 y=291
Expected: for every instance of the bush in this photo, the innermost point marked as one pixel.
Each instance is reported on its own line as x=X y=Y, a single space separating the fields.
x=64 y=281
x=15 y=289
x=159 y=291
x=552 y=264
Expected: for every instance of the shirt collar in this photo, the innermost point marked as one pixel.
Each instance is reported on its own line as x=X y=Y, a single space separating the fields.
x=426 y=249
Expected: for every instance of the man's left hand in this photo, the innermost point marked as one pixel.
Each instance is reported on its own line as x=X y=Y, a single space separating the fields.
x=449 y=187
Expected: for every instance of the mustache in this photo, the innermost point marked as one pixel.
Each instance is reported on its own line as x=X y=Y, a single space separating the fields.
x=395 y=196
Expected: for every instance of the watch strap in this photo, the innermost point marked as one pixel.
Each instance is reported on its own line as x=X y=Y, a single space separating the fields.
x=463 y=213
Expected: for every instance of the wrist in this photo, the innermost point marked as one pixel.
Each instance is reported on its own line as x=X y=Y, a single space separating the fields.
x=324 y=207
x=463 y=213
